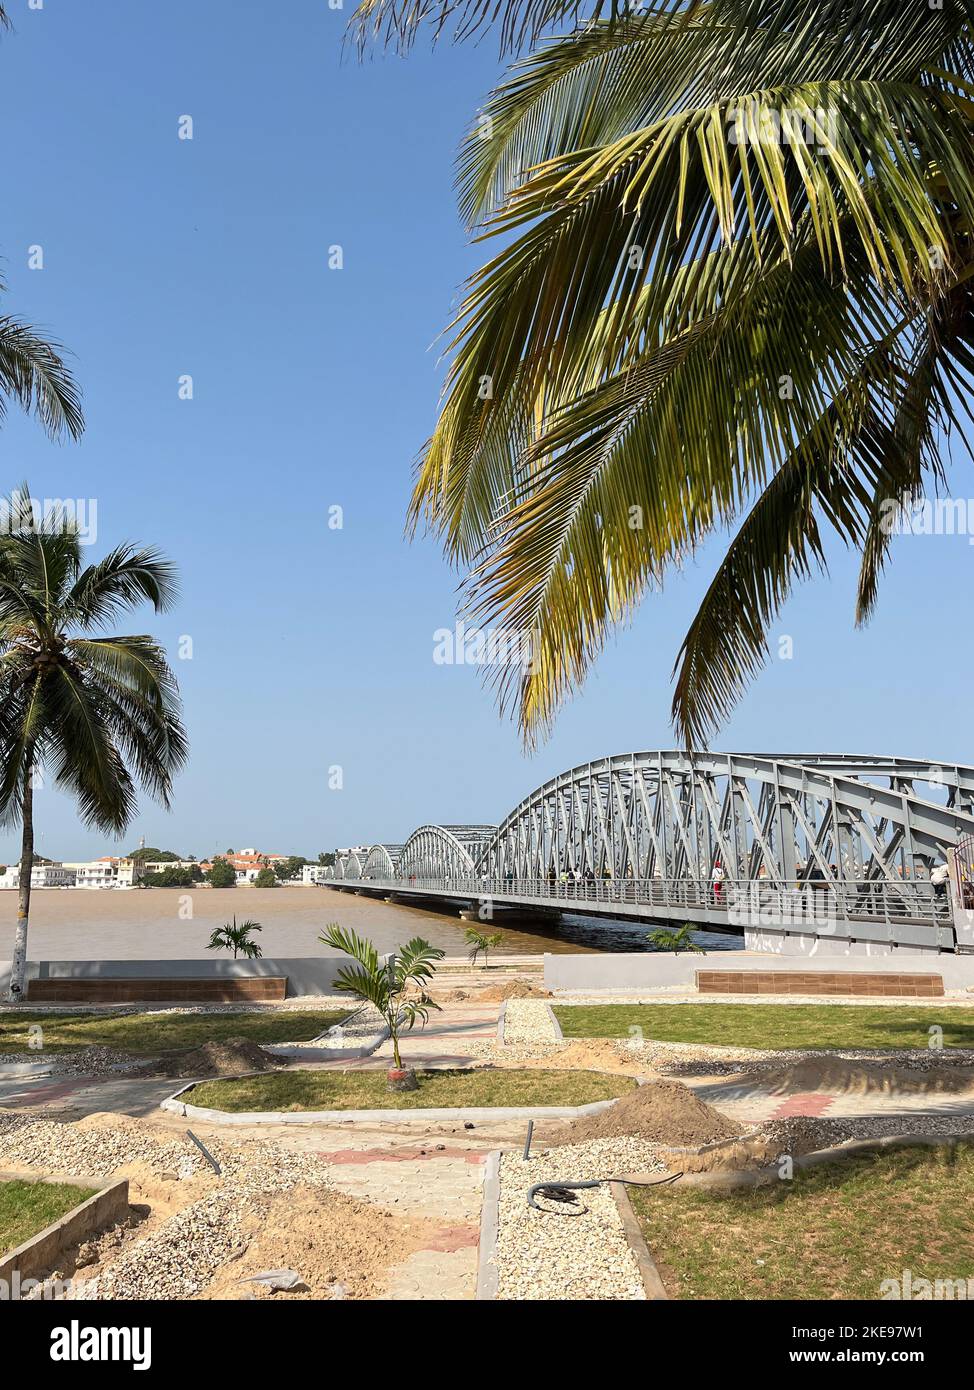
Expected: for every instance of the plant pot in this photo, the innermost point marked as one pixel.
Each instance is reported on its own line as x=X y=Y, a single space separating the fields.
x=404 y=1080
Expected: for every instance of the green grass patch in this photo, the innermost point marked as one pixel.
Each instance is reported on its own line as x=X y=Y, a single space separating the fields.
x=771 y=1025
x=150 y=1033
x=366 y=1090
x=27 y=1207
x=835 y=1232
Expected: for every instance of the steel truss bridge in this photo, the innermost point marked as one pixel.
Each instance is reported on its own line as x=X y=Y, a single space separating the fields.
x=819 y=845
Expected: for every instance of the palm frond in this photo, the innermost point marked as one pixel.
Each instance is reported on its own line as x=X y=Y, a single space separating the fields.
x=397 y=23
x=667 y=267
x=33 y=372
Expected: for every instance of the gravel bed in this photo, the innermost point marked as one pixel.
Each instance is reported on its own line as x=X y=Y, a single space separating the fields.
x=250 y=1166
x=682 y=1057
x=549 y=1256
x=181 y=1258
x=300 y=1003
x=360 y=1029
x=92 y=1153
x=880 y=1126
x=86 y=1061
x=528 y=1021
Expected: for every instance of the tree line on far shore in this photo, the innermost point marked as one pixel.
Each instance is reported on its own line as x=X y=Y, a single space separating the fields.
x=221 y=873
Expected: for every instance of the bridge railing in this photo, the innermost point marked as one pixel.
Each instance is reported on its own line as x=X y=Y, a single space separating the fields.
x=743 y=902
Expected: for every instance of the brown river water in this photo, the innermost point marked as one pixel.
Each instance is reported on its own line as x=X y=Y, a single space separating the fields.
x=173 y=924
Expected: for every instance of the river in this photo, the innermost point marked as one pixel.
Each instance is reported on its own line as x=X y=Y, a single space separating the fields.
x=172 y=924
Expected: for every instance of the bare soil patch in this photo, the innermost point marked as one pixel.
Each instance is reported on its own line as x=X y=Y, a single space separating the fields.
x=594 y=1054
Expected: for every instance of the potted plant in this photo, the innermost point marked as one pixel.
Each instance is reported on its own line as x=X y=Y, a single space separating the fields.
x=396 y=988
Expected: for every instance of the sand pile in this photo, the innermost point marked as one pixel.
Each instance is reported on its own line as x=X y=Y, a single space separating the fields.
x=228 y=1058
x=663 y=1111
x=340 y=1247
x=841 y=1076
x=516 y=989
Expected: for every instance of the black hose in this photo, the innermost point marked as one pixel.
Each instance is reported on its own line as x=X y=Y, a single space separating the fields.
x=561 y=1191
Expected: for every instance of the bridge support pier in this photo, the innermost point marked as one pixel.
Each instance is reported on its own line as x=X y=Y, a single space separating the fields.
x=510 y=916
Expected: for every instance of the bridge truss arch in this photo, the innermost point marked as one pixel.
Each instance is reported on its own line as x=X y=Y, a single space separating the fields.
x=677 y=815
x=349 y=866
x=444 y=851
x=381 y=861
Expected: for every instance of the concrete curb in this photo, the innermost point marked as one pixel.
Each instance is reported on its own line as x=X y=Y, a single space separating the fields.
x=555 y=1025
x=15 y=1069
x=307 y=1053
x=501 y=1023
x=736 y=1179
x=650 y=1275
x=37 y=1256
x=487 y=1272
x=477 y=1114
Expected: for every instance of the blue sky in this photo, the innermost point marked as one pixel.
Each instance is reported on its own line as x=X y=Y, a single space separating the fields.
x=313 y=388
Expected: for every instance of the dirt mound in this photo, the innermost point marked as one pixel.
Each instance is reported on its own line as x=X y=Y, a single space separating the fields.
x=451 y=996
x=516 y=989
x=228 y=1058
x=845 y=1077
x=340 y=1247
x=664 y=1111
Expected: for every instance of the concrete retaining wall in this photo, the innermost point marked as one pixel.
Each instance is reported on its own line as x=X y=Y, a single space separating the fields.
x=39 y=1255
x=305 y=975
x=631 y=973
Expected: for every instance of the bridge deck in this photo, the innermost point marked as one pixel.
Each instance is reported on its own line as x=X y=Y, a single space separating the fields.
x=908 y=913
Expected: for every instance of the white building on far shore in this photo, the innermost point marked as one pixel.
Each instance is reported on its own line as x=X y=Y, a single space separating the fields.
x=41 y=876
x=107 y=872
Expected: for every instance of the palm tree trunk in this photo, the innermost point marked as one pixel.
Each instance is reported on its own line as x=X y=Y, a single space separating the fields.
x=18 y=967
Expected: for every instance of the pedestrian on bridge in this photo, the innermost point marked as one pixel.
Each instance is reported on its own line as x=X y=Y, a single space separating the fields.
x=718 y=880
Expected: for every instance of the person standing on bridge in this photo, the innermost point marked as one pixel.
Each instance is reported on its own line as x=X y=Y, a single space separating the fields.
x=718 y=880
x=939 y=878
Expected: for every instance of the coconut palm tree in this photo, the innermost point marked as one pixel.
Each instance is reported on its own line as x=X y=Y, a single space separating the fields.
x=90 y=713
x=734 y=295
